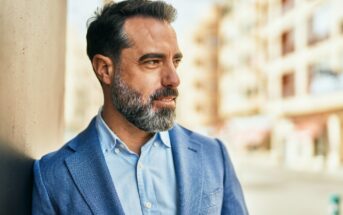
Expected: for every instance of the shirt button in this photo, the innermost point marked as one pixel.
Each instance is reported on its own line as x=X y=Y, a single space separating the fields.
x=116 y=150
x=148 y=205
x=140 y=166
x=155 y=144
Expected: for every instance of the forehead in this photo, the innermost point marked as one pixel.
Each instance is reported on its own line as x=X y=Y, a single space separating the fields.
x=149 y=33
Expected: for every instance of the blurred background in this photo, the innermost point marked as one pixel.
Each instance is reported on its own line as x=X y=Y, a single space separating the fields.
x=266 y=76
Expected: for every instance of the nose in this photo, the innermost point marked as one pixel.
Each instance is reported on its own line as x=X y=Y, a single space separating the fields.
x=170 y=77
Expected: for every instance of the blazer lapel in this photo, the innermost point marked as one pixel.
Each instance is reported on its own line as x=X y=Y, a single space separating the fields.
x=187 y=156
x=90 y=174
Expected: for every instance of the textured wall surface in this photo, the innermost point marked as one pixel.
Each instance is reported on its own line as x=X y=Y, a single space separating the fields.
x=32 y=64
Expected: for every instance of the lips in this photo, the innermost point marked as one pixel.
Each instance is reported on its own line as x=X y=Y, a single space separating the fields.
x=165 y=98
x=165 y=101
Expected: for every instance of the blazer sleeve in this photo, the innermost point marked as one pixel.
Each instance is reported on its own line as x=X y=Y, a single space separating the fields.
x=233 y=201
x=41 y=204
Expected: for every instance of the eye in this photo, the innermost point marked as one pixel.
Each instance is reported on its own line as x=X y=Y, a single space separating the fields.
x=177 y=62
x=152 y=63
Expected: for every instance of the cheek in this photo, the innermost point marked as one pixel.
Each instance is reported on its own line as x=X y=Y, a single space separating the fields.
x=144 y=82
x=147 y=86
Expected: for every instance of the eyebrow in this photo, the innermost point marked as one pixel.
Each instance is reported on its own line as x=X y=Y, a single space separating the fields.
x=178 y=55
x=150 y=55
x=157 y=55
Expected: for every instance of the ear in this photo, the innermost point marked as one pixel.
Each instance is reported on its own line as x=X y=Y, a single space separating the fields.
x=104 y=68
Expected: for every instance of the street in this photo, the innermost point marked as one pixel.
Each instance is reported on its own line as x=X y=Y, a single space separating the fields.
x=271 y=189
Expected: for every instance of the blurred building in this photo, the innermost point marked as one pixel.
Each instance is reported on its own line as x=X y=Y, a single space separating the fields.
x=282 y=64
x=304 y=70
x=199 y=71
x=83 y=95
x=242 y=80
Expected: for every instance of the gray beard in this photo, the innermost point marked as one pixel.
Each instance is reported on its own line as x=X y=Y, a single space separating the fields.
x=130 y=104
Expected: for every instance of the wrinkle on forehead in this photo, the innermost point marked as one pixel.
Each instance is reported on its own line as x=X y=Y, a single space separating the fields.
x=149 y=30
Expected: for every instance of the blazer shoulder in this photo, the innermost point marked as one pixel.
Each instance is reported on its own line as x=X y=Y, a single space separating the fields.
x=57 y=158
x=204 y=140
x=53 y=163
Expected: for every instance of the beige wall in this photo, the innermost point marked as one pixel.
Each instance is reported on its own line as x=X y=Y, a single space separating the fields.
x=32 y=64
x=32 y=56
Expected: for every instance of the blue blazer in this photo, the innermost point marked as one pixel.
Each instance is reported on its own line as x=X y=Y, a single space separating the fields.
x=76 y=180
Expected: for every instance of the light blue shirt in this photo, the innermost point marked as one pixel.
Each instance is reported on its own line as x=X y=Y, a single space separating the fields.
x=145 y=184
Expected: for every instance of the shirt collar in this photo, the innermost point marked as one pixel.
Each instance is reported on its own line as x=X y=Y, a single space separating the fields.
x=164 y=137
x=108 y=139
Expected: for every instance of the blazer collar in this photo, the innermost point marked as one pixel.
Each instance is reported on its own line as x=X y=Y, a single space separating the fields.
x=188 y=169
x=90 y=173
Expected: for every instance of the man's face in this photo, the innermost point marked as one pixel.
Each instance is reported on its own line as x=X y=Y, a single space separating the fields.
x=144 y=87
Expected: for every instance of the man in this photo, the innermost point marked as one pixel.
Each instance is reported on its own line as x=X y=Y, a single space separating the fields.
x=133 y=158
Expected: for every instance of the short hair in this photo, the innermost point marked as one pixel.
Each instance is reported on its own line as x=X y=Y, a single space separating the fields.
x=105 y=34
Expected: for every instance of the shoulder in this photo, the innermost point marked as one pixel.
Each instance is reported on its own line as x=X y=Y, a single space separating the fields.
x=213 y=149
x=52 y=165
x=204 y=140
x=57 y=158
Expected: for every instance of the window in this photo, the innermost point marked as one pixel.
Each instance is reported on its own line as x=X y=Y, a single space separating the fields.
x=251 y=91
x=198 y=62
x=323 y=79
x=199 y=108
x=320 y=146
x=198 y=39
x=288 y=88
x=198 y=84
x=319 y=25
x=287 y=40
x=287 y=5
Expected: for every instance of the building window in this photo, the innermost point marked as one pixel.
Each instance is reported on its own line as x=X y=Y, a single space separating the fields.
x=198 y=84
x=198 y=62
x=199 y=108
x=287 y=40
x=323 y=79
x=251 y=92
x=319 y=25
x=320 y=146
x=288 y=87
x=287 y=5
x=198 y=39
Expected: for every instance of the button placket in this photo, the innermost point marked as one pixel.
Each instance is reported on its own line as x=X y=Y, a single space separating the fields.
x=140 y=165
x=144 y=181
x=140 y=184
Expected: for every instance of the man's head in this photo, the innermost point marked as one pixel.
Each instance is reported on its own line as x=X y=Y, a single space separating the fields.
x=134 y=52
x=106 y=34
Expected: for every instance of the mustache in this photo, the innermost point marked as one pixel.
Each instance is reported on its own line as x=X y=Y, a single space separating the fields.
x=166 y=91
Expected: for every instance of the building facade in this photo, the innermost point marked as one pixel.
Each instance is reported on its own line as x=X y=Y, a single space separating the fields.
x=284 y=60
x=199 y=72
x=304 y=81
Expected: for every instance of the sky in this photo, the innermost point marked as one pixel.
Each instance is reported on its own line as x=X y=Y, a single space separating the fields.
x=189 y=12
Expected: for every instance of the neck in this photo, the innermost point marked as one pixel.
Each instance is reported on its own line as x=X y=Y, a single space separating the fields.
x=133 y=137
